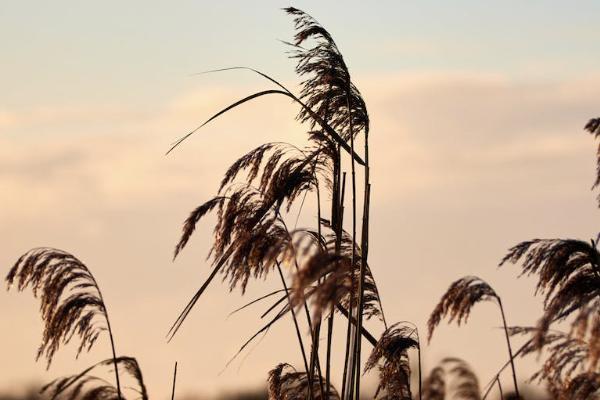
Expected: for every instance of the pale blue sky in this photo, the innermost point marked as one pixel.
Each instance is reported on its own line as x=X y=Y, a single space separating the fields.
x=142 y=50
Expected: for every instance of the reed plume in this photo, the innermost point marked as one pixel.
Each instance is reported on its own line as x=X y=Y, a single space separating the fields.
x=285 y=383
x=457 y=303
x=337 y=279
x=71 y=301
x=459 y=300
x=566 y=355
x=434 y=386
x=453 y=378
x=390 y=354
x=569 y=278
x=85 y=386
x=250 y=234
x=327 y=85
x=593 y=127
x=585 y=386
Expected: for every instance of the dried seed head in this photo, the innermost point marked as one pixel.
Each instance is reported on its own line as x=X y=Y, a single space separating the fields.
x=585 y=386
x=328 y=89
x=390 y=354
x=593 y=127
x=567 y=357
x=569 y=279
x=87 y=386
x=285 y=383
x=71 y=302
x=453 y=378
x=458 y=301
x=327 y=278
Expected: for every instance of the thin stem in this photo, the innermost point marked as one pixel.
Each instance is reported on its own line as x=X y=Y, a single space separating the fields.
x=521 y=349
x=347 y=354
x=297 y=327
x=114 y=352
x=174 y=381
x=365 y=333
x=330 y=319
x=308 y=318
x=500 y=388
x=112 y=341
x=328 y=355
x=338 y=231
x=420 y=371
x=363 y=268
x=359 y=308
x=510 y=353
x=314 y=355
x=363 y=264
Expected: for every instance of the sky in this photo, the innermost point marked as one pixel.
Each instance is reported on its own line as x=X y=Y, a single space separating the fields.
x=477 y=111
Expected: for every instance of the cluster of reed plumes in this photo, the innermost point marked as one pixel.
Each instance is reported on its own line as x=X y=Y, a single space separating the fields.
x=568 y=272
x=72 y=304
x=325 y=275
x=324 y=270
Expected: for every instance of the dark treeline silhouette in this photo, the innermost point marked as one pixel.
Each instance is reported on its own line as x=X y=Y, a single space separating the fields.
x=35 y=393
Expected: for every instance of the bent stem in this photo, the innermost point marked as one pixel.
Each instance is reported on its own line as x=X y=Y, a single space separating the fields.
x=510 y=353
x=297 y=327
x=313 y=330
x=112 y=341
x=500 y=387
x=420 y=371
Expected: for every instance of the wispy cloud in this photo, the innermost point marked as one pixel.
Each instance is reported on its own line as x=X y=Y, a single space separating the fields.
x=449 y=149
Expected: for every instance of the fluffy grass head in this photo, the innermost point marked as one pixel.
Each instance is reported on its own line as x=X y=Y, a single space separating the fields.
x=71 y=302
x=458 y=301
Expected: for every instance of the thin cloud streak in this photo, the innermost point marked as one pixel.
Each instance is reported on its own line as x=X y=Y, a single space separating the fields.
x=459 y=156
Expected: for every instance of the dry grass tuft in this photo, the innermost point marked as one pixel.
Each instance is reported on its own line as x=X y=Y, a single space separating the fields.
x=585 y=386
x=434 y=387
x=566 y=356
x=593 y=127
x=390 y=355
x=285 y=383
x=458 y=301
x=327 y=90
x=453 y=378
x=569 y=278
x=337 y=280
x=88 y=387
x=71 y=302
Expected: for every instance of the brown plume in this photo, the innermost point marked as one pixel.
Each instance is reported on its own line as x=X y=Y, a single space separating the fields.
x=327 y=89
x=391 y=356
x=285 y=383
x=593 y=127
x=453 y=378
x=458 y=301
x=86 y=386
x=585 y=386
x=71 y=301
x=569 y=278
x=337 y=280
x=569 y=360
x=434 y=386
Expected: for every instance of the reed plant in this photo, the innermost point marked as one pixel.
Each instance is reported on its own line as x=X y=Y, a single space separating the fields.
x=71 y=303
x=326 y=266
